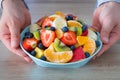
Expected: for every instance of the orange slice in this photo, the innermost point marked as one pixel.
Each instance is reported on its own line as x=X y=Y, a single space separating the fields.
x=73 y=23
x=53 y=17
x=58 y=57
x=82 y=40
x=90 y=46
x=59 y=33
x=51 y=48
x=60 y=14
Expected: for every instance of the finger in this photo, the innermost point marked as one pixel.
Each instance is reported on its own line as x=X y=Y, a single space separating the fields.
x=17 y=51
x=15 y=35
x=107 y=27
x=104 y=47
x=4 y=34
x=6 y=41
x=22 y=54
x=113 y=40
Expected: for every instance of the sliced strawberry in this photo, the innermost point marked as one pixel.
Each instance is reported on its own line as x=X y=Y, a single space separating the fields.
x=85 y=33
x=47 y=37
x=29 y=44
x=78 y=54
x=69 y=38
x=47 y=22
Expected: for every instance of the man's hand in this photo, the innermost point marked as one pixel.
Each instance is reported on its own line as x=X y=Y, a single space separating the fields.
x=106 y=20
x=15 y=17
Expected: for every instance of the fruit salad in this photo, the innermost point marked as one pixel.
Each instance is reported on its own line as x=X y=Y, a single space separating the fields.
x=60 y=38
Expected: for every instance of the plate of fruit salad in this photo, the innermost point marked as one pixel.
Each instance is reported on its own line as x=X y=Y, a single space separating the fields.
x=60 y=41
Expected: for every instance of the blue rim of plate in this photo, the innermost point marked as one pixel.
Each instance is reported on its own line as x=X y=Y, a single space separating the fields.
x=63 y=64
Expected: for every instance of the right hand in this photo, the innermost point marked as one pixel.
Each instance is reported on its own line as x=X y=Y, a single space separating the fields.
x=106 y=20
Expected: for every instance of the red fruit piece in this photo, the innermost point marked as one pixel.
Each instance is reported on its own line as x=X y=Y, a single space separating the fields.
x=85 y=33
x=47 y=37
x=40 y=21
x=78 y=54
x=29 y=44
x=69 y=38
x=47 y=22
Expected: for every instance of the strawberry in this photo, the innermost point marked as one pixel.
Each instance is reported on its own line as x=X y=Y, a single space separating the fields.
x=29 y=44
x=78 y=54
x=47 y=22
x=47 y=37
x=69 y=38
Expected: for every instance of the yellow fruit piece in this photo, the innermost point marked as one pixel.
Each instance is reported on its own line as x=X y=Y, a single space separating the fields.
x=73 y=23
x=39 y=52
x=59 y=22
x=60 y=14
x=34 y=27
x=57 y=57
x=51 y=48
x=92 y=34
x=90 y=46
x=53 y=17
x=59 y=33
x=82 y=40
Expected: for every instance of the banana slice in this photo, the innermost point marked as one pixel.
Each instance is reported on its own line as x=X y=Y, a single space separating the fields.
x=92 y=34
x=59 y=22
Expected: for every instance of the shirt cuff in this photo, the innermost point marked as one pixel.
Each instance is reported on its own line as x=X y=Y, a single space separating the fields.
x=99 y=2
x=0 y=4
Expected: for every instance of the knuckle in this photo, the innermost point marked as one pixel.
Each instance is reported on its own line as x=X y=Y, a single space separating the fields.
x=15 y=36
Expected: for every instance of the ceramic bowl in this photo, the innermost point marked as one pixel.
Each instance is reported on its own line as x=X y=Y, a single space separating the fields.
x=76 y=64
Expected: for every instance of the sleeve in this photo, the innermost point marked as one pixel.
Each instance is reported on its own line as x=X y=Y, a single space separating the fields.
x=0 y=4
x=99 y=2
x=25 y=4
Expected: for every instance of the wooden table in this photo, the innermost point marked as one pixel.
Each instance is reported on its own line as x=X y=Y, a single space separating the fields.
x=107 y=67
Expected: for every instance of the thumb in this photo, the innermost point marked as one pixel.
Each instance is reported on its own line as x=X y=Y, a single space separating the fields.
x=15 y=36
x=106 y=30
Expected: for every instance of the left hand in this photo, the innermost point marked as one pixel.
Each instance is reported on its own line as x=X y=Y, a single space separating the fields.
x=106 y=20
x=15 y=17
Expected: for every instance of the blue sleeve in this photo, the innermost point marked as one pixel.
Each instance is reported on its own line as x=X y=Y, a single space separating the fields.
x=99 y=2
x=0 y=3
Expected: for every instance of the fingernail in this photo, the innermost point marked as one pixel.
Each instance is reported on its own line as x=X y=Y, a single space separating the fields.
x=28 y=59
x=105 y=39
